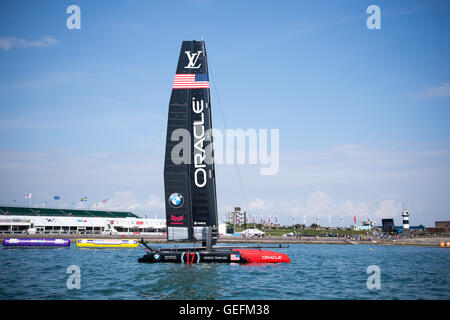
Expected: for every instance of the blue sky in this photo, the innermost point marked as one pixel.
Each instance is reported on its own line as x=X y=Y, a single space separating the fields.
x=363 y=114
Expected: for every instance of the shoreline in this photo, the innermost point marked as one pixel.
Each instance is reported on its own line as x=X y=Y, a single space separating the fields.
x=422 y=241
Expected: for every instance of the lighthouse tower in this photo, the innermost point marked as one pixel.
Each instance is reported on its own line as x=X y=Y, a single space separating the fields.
x=405 y=216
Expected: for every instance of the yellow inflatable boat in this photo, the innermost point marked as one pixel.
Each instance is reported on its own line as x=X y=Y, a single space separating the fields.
x=107 y=243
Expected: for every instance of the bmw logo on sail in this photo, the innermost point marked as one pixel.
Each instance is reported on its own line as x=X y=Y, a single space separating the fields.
x=176 y=200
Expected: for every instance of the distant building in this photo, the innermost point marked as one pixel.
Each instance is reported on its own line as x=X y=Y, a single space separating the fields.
x=71 y=221
x=388 y=225
x=440 y=227
x=412 y=228
x=237 y=217
x=365 y=226
x=443 y=224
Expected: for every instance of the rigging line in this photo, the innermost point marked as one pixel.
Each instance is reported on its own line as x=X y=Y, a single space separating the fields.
x=216 y=92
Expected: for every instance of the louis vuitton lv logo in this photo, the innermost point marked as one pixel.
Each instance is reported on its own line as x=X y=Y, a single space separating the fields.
x=193 y=58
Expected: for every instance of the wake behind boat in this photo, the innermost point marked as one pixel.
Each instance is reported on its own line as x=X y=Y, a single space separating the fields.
x=189 y=174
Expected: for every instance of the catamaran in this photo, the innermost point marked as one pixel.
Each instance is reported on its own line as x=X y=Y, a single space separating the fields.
x=189 y=174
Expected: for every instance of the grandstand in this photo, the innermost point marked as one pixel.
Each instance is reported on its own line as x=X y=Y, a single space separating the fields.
x=23 y=211
x=22 y=220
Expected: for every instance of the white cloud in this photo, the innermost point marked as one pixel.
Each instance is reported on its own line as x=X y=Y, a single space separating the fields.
x=443 y=90
x=257 y=204
x=388 y=209
x=319 y=204
x=50 y=81
x=351 y=209
x=6 y=43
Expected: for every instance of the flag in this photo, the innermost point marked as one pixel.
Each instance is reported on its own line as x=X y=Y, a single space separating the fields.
x=235 y=257
x=191 y=81
x=28 y=196
x=57 y=197
x=84 y=199
x=354 y=219
x=106 y=200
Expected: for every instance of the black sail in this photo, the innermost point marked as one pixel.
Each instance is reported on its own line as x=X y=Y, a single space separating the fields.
x=189 y=177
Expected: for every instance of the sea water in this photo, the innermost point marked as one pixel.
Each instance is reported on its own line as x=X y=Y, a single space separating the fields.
x=316 y=272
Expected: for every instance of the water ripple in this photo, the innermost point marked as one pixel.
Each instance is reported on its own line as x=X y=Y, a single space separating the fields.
x=316 y=272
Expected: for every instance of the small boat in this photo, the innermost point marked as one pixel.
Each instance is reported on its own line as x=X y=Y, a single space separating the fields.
x=107 y=243
x=35 y=242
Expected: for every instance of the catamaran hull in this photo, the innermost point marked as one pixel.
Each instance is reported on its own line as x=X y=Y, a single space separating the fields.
x=231 y=256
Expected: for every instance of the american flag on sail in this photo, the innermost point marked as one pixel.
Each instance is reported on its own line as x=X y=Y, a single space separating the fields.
x=191 y=81
x=235 y=257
